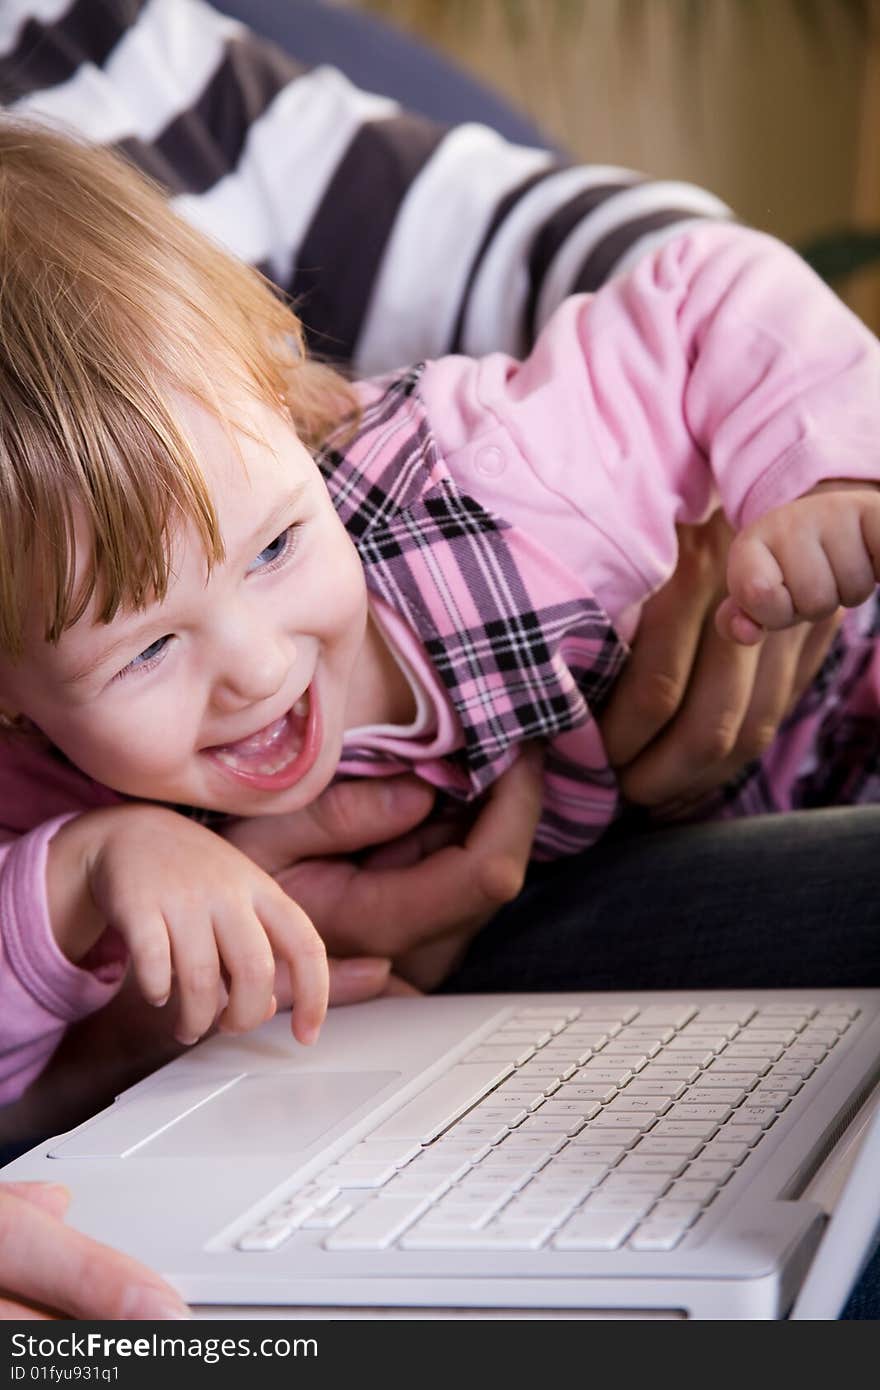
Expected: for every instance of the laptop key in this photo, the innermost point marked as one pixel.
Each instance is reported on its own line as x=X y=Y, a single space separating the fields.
x=376 y=1224
x=442 y=1102
x=693 y=1110
x=640 y=1104
x=600 y=1230
x=713 y=1080
x=674 y=1211
x=650 y=1183
x=722 y=1148
x=635 y=1162
x=676 y=1015
x=664 y=1144
x=763 y=1115
x=519 y=1235
x=768 y=1095
x=693 y=1190
x=327 y=1217
x=744 y=1134
x=344 y=1174
x=735 y=1013
x=625 y=1120
x=616 y=1199
x=685 y=1129
x=576 y=1155
x=656 y=1235
x=645 y=1086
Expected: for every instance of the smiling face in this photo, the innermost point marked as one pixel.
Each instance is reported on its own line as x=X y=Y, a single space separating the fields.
x=234 y=691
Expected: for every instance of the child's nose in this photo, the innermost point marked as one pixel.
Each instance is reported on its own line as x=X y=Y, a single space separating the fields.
x=253 y=666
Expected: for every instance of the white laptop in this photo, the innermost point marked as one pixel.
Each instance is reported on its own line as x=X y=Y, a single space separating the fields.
x=477 y=1155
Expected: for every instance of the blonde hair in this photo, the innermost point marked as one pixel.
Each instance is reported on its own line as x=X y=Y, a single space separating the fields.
x=110 y=306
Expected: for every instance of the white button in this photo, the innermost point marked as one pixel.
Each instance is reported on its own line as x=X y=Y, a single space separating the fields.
x=490 y=462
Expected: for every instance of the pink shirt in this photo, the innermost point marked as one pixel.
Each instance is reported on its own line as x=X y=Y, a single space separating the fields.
x=719 y=367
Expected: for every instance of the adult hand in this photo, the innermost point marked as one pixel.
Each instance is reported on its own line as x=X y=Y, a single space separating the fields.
x=692 y=708
x=422 y=896
x=47 y=1269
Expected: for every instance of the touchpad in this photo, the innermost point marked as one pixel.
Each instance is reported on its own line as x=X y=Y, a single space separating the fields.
x=249 y=1115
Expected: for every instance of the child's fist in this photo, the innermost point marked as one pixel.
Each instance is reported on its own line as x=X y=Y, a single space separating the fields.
x=801 y=561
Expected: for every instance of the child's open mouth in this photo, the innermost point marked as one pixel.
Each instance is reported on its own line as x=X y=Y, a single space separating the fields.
x=278 y=754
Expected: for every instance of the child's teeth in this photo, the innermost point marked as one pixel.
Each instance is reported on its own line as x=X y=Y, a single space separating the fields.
x=271 y=748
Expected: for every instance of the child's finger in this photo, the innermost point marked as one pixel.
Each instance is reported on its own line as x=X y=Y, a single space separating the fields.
x=295 y=941
x=147 y=941
x=756 y=583
x=850 y=560
x=870 y=531
x=809 y=577
x=736 y=626
x=249 y=963
x=197 y=975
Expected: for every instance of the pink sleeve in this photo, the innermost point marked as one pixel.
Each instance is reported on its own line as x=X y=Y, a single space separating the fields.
x=719 y=364
x=41 y=992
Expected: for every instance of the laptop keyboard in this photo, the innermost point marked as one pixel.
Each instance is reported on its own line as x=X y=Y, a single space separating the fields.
x=593 y=1128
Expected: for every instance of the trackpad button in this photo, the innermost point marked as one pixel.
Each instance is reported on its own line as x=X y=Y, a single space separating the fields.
x=272 y=1114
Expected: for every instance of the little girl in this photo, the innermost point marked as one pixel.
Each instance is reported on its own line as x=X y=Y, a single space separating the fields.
x=228 y=576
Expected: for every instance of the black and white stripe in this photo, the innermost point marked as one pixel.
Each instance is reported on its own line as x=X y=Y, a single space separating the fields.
x=399 y=239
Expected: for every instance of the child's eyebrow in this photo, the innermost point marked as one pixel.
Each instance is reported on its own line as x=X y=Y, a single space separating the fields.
x=283 y=513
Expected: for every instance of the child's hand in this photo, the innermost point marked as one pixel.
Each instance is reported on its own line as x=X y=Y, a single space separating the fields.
x=801 y=561
x=197 y=913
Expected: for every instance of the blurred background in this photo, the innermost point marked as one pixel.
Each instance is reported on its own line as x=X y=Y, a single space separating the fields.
x=772 y=104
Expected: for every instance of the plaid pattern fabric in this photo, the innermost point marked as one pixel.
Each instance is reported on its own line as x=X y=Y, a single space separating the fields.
x=524 y=655
x=521 y=656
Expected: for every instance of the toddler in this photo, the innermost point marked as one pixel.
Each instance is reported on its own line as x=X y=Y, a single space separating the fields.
x=228 y=576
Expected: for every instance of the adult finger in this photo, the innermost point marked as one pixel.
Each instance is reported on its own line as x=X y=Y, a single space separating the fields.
x=500 y=839
x=489 y=868
x=705 y=729
x=413 y=847
x=352 y=980
x=652 y=687
x=46 y=1265
x=52 y=1197
x=18 y=1312
x=776 y=666
x=359 y=910
x=396 y=988
x=816 y=645
x=347 y=817
x=357 y=978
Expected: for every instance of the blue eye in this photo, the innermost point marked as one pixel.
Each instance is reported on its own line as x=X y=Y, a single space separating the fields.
x=275 y=551
x=149 y=655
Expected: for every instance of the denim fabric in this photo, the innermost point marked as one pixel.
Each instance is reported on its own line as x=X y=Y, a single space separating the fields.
x=773 y=901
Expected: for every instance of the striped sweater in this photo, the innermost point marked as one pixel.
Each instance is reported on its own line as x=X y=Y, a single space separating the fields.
x=397 y=238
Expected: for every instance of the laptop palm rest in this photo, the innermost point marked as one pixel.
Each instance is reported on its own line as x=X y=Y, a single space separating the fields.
x=236 y=1116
